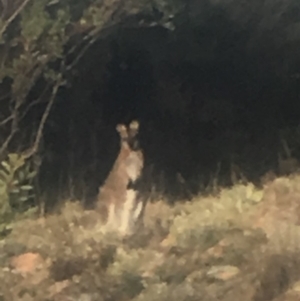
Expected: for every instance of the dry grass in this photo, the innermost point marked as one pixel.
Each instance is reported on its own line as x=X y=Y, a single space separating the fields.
x=241 y=244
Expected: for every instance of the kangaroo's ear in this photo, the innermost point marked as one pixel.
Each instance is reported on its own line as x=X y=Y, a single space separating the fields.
x=121 y=129
x=134 y=125
x=133 y=131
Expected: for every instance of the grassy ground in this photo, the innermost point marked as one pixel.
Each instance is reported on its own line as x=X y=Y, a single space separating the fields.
x=239 y=244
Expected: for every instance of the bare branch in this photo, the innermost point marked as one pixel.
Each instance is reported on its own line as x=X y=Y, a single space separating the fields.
x=31 y=151
x=13 y=16
x=80 y=55
x=6 y=120
x=14 y=128
x=34 y=102
x=92 y=35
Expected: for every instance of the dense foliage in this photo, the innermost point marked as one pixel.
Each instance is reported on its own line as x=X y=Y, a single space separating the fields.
x=41 y=43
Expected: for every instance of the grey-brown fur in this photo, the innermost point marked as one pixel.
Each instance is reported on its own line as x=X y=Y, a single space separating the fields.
x=116 y=198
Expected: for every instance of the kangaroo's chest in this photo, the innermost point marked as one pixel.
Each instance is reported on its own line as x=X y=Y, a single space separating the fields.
x=133 y=165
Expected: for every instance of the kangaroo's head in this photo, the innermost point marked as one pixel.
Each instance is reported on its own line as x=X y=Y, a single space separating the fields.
x=128 y=135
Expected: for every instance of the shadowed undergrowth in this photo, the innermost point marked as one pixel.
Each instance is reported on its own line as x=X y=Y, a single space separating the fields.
x=242 y=244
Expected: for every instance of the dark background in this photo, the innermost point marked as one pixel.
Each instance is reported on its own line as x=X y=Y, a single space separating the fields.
x=219 y=89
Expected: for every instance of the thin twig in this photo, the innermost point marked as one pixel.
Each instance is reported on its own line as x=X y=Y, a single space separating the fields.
x=31 y=151
x=6 y=120
x=13 y=16
x=34 y=102
x=91 y=37
x=14 y=128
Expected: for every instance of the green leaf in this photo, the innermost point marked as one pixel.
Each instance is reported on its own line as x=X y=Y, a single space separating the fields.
x=15 y=190
x=15 y=182
x=30 y=211
x=3 y=174
x=26 y=169
x=21 y=176
x=13 y=158
x=23 y=198
x=3 y=189
x=6 y=166
x=26 y=187
x=16 y=161
x=31 y=175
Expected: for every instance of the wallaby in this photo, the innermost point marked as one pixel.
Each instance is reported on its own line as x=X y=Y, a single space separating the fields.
x=118 y=196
